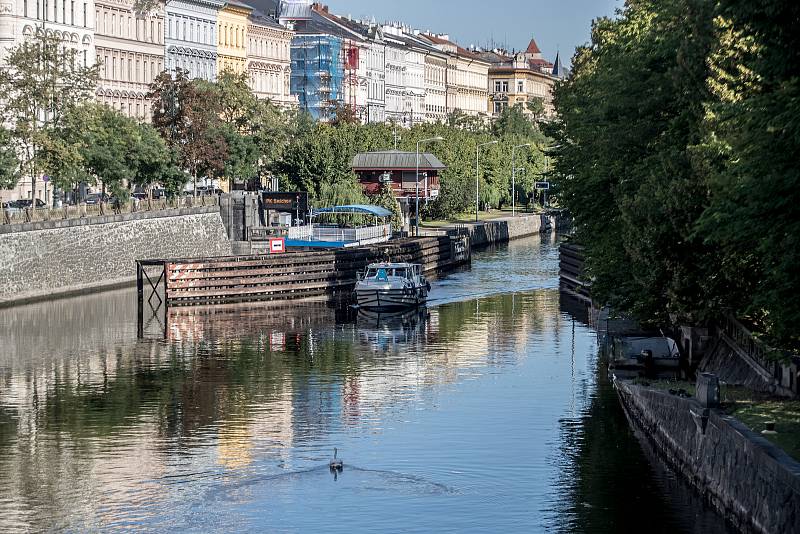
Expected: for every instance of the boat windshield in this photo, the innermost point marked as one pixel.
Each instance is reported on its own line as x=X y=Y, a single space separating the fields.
x=383 y=273
x=380 y=273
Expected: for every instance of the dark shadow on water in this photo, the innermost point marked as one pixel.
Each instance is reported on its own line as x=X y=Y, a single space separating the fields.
x=613 y=481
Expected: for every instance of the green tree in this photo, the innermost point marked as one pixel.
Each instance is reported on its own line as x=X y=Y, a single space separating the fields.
x=344 y=114
x=386 y=199
x=238 y=106
x=187 y=115
x=750 y=158
x=8 y=161
x=631 y=115
x=241 y=163
x=42 y=81
x=513 y=121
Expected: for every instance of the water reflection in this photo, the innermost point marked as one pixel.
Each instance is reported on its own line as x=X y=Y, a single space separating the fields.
x=470 y=415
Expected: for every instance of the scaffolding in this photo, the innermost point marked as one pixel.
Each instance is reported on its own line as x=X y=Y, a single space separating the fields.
x=317 y=73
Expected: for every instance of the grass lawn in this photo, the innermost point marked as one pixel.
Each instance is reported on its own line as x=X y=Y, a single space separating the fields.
x=751 y=408
x=785 y=414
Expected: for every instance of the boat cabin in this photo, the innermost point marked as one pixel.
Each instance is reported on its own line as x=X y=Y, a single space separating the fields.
x=384 y=271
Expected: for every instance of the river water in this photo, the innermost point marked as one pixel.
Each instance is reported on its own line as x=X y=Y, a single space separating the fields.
x=487 y=412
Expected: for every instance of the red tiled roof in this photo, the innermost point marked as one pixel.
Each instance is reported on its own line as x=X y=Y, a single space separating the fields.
x=533 y=48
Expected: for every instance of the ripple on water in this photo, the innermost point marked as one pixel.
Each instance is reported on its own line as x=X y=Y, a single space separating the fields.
x=483 y=412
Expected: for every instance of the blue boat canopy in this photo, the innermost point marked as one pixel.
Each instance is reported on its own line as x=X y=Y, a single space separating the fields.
x=360 y=209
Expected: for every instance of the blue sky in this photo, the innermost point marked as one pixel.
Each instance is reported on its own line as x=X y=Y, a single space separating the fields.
x=556 y=24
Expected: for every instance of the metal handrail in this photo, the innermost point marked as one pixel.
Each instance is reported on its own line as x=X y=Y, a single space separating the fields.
x=83 y=210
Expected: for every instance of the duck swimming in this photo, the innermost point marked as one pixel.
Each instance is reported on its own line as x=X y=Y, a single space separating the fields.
x=335 y=464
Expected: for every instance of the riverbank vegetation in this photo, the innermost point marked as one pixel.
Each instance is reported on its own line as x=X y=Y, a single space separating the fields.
x=204 y=131
x=677 y=145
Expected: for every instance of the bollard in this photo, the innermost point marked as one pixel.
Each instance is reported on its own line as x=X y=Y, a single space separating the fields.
x=707 y=390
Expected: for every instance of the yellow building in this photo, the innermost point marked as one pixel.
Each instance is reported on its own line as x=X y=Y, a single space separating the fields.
x=232 y=37
x=518 y=79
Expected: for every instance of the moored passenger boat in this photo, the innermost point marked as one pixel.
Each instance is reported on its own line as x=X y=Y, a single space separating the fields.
x=391 y=286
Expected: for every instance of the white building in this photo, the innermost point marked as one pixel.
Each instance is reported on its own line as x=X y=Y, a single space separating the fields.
x=435 y=86
x=130 y=49
x=191 y=37
x=72 y=22
x=467 y=78
x=268 y=60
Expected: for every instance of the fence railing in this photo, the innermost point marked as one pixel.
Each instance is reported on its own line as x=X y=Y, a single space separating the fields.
x=79 y=211
x=289 y=232
x=352 y=234
x=783 y=367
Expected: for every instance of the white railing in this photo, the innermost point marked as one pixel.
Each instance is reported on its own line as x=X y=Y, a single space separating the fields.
x=332 y=233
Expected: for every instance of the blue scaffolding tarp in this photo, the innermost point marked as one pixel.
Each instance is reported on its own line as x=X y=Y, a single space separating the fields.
x=317 y=73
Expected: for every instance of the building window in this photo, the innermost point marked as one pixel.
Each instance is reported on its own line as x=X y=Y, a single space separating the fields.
x=520 y=86
x=504 y=88
x=25 y=8
x=72 y=13
x=85 y=22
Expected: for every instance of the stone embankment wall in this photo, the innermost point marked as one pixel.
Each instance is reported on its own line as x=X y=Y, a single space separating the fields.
x=753 y=483
x=502 y=230
x=55 y=258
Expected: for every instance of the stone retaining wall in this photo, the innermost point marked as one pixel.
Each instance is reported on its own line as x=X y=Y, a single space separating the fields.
x=56 y=258
x=502 y=230
x=753 y=483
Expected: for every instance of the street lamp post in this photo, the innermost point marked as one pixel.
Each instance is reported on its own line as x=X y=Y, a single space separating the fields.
x=416 y=180
x=477 y=175
x=514 y=178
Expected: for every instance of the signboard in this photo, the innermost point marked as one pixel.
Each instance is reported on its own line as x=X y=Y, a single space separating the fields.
x=277 y=245
x=287 y=202
x=542 y=185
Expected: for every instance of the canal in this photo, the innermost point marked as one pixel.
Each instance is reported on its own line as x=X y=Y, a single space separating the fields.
x=487 y=412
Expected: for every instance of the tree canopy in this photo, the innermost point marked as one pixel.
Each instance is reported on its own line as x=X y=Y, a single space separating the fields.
x=675 y=139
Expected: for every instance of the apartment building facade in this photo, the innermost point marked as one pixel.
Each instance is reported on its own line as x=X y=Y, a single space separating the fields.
x=467 y=78
x=191 y=37
x=520 y=79
x=232 y=22
x=71 y=22
x=130 y=50
x=269 y=60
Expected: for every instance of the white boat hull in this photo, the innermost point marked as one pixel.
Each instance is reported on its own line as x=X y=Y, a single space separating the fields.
x=390 y=299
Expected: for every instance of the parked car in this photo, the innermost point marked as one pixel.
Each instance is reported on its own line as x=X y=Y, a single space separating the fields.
x=95 y=198
x=10 y=207
x=27 y=203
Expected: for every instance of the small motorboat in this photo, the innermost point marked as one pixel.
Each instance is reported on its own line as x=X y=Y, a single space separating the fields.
x=391 y=286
